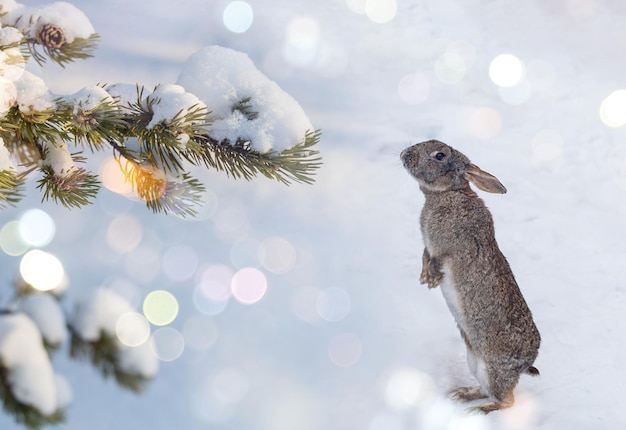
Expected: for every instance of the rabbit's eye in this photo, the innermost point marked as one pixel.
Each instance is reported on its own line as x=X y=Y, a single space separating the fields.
x=440 y=156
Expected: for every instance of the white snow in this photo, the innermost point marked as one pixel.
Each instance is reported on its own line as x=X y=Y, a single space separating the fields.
x=125 y=94
x=99 y=313
x=8 y=95
x=5 y=157
x=9 y=36
x=89 y=98
x=72 y=20
x=30 y=371
x=172 y=101
x=221 y=77
x=47 y=314
x=12 y=64
x=58 y=157
x=140 y=359
x=33 y=94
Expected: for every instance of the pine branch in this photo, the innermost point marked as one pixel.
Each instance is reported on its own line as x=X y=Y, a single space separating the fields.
x=95 y=126
x=163 y=145
x=34 y=127
x=104 y=356
x=25 y=414
x=179 y=196
x=296 y=164
x=161 y=193
x=79 y=48
x=11 y=188
x=74 y=189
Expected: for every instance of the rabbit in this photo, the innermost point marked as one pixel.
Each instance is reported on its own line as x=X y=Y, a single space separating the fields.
x=462 y=257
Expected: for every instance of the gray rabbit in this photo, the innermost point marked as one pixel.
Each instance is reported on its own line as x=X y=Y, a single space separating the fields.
x=461 y=255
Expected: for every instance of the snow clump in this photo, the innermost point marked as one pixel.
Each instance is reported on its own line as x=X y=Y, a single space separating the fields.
x=223 y=77
x=47 y=314
x=73 y=22
x=29 y=369
x=99 y=314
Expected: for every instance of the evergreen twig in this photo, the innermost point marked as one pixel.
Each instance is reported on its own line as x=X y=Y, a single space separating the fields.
x=74 y=189
x=79 y=48
x=104 y=356
x=11 y=188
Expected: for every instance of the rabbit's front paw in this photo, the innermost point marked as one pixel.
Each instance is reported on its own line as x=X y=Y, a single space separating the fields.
x=431 y=274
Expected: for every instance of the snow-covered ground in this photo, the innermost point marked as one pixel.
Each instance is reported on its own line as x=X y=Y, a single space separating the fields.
x=344 y=337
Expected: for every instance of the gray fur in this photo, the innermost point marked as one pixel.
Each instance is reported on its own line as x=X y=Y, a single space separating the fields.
x=461 y=255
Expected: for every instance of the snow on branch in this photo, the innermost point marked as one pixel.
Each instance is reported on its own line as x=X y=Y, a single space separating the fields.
x=222 y=113
x=94 y=337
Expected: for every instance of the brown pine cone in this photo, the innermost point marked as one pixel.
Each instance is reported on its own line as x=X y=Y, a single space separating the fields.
x=49 y=35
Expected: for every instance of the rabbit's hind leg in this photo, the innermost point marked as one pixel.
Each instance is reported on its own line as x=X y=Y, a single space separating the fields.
x=485 y=408
x=501 y=386
x=467 y=394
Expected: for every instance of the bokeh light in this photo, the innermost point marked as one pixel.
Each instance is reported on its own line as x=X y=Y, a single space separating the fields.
x=450 y=68
x=113 y=178
x=547 y=147
x=357 y=6
x=345 y=349
x=124 y=233
x=302 y=41
x=249 y=285
x=41 y=270
x=381 y=11
x=613 y=109
x=484 y=123
x=238 y=16
x=414 y=88
x=407 y=388
x=132 y=329
x=506 y=70
x=11 y=240
x=36 y=227
x=160 y=307
x=200 y=332
x=180 y=263
x=333 y=304
x=277 y=254
x=212 y=292
x=168 y=344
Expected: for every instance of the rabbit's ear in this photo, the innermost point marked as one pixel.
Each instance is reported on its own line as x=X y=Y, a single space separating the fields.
x=483 y=180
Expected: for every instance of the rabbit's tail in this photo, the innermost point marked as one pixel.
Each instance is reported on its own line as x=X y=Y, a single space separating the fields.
x=532 y=371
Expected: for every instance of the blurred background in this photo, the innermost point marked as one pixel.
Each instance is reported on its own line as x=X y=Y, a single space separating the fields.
x=331 y=329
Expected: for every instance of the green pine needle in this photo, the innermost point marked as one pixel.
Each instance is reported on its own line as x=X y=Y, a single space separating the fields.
x=11 y=188
x=80 y=48
x=296 y=164
x=75 y=189
x=97 y=126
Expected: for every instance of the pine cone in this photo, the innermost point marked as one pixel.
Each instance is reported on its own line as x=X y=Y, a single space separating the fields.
x=50 y=35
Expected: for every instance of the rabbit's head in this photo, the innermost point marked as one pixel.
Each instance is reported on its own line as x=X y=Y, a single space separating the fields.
x=439 y=167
